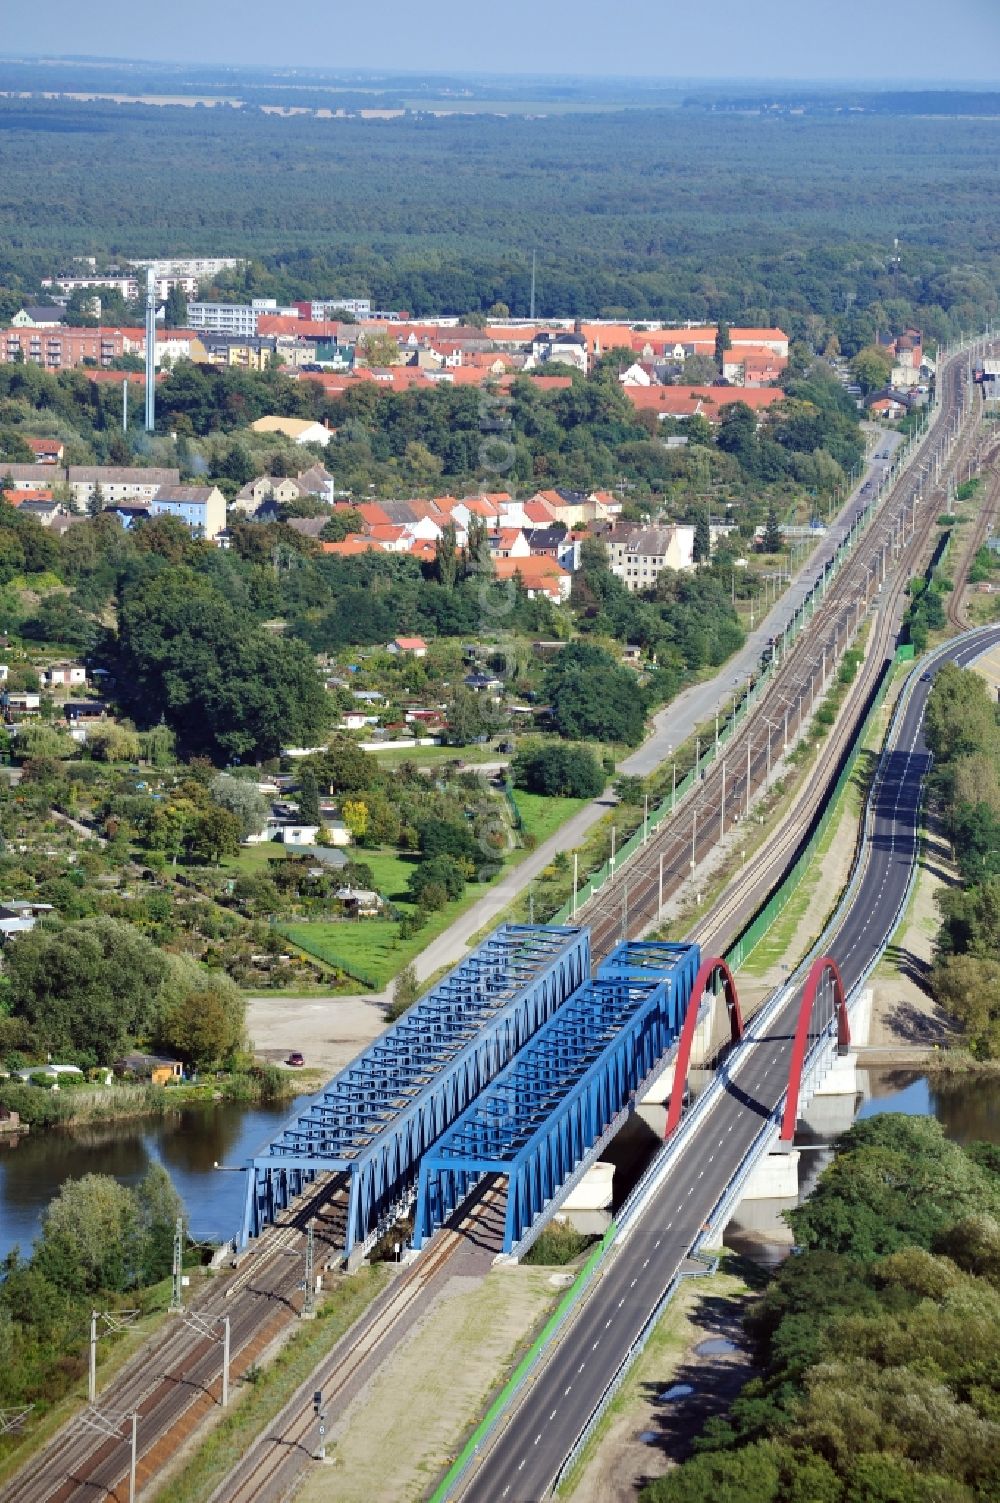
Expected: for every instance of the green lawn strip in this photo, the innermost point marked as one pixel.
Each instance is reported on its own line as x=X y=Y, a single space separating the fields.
x=279 y=993
x=508 y=1390
x=434 y=756
x=252 y=859
x=663 y=1353
x=542 y=817
x=254 y=1405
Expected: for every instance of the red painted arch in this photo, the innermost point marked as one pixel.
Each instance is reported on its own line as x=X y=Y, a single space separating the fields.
x=824 y=966
x=711 y=967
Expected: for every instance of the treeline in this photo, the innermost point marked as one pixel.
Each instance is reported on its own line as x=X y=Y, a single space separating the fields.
x=963 y=732
x=877 y=1345
x=387 y=443
x=946 y=103
x=795 y=219
x=86 y=992
x=176 y=600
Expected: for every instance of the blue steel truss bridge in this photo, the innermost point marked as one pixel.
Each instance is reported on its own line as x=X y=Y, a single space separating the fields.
x=541 y=1123
x=368 y=1129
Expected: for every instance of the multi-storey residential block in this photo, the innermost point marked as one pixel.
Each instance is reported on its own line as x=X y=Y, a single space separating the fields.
x=638 y=555
x=62 y=348
x=114 y=484
x=201 y=507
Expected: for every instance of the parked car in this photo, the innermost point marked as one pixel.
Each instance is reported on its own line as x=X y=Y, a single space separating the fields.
x=296 y=1059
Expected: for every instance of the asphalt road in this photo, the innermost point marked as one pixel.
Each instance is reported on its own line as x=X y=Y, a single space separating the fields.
x=522 y=1465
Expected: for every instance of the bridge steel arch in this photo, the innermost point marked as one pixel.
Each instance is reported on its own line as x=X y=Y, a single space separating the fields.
x=712 y=967
x=824 y=966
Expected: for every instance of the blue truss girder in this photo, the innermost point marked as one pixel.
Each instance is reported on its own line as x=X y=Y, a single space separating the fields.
x=377 y=1118
x=538 y=1120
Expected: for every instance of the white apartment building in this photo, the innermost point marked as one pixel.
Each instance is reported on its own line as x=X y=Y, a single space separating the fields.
x=224 y=318
x=234 y=318
x=639 y=555
x=202 y=268
x=328 y=308
x=118 y=484
x=127 y=286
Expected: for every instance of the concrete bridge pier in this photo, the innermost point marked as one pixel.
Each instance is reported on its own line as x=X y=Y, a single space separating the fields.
x=831 y=1107
x=587 y=1207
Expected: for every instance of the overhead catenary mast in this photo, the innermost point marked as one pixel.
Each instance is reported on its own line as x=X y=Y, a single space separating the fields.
x=150 y=350
x=533 y=257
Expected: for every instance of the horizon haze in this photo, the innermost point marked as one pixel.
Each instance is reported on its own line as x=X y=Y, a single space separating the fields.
x=767 y=41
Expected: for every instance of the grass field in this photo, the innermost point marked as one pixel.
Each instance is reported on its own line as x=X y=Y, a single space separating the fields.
x=432 y=756
x=252 y=859
x=542 y=817
x=371 y=949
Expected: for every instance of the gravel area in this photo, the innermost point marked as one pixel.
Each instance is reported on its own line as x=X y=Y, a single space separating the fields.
x=327 y=1031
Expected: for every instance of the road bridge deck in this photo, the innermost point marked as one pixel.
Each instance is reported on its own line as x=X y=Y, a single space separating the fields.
x=526 y=1457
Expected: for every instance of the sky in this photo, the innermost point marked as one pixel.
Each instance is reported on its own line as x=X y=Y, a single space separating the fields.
x=941 y=40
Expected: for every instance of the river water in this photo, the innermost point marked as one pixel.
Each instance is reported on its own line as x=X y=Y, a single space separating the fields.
x=968 y=1108
x=189 y=1143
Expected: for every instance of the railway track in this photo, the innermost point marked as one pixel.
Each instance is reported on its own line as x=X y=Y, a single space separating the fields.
x=988 y=458
x=630 y=901
x=270 y=1467
x=177 y=1378
x=721 y=925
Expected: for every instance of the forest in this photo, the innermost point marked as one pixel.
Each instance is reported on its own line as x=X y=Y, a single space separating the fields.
x=656 y=212
x=963 y=732
x=876 y=1347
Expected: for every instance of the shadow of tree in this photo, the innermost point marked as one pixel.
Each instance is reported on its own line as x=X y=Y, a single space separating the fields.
x=714 y=1379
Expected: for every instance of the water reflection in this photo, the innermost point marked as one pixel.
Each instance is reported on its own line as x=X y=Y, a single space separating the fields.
x=187 y=1143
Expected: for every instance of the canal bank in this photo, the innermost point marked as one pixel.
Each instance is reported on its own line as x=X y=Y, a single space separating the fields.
x=189 y=1142
x=649 y=1427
